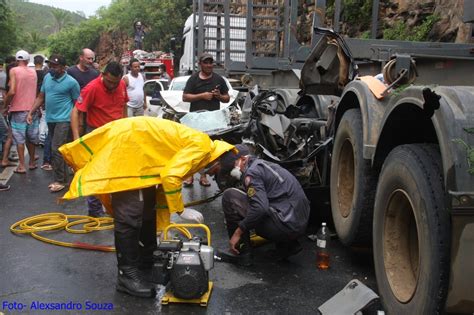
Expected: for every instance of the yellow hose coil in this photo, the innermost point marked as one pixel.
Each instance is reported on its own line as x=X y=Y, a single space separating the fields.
x=56 y=221
x=59 y=221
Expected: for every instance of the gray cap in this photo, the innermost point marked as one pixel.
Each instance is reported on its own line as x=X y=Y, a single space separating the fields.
x=205 y=56
x=227 y=160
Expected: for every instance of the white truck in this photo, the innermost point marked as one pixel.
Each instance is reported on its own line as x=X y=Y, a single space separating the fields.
x=223 y=32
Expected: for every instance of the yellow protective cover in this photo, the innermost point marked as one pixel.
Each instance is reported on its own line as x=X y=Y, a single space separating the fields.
x=139 y=152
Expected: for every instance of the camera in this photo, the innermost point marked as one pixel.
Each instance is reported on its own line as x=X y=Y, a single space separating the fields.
x=185 y=266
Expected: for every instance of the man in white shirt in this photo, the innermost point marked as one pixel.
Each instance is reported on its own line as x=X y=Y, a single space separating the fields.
x=134 y=81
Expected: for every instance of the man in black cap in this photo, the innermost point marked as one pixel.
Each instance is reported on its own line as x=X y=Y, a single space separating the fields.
x=205 y=90
x=272 y=203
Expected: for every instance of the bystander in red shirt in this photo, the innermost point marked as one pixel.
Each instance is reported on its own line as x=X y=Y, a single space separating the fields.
x=102 y=106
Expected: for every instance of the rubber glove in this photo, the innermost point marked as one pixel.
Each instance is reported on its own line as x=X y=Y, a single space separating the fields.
x=192 y=215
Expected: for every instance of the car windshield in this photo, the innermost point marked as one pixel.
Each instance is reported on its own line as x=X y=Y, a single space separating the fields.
x=178 y=86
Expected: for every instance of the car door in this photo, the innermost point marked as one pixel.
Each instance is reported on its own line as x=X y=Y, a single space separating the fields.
x=152 y=90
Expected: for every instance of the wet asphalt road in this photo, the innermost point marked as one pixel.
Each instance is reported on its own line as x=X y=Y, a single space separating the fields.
x=35 y=272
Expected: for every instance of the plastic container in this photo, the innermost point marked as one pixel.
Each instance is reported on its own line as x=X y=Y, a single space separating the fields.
x=322 y=242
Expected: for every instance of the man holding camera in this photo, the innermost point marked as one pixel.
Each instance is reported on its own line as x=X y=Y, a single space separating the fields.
x=205 y=90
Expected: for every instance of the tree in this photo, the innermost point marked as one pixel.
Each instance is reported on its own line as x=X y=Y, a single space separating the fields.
x=163 y=19
x=35 y=41
x=70 y=41
x=61 y=18
x=8 y=30
x=82 y=14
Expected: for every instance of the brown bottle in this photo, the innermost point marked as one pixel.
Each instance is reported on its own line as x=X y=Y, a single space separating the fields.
x=322 y=242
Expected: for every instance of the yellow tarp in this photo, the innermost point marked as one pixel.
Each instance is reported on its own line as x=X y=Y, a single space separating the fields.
x=139 y=152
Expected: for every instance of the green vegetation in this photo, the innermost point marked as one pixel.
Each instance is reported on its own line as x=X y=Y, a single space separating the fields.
x=7 y=29
x=70 y=41
x=397 y=91
x=61 y=19
x=400 y=31
x=162 y=19
x=356 y=13
x=31 y=24
x=41 y=18
x=469 y=151
x=36 y=27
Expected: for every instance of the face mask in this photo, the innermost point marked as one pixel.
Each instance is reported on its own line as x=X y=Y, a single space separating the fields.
x=54 y=73
x=236 y=173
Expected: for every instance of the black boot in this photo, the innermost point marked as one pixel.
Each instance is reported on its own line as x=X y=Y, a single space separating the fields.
x=244 y=258
x=286 y=249
x=129 y=279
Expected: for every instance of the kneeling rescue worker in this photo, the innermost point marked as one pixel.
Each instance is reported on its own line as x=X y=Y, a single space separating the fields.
x=136 y=165
x=273 y=204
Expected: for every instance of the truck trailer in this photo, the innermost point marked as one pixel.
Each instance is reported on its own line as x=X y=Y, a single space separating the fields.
x=395 y=157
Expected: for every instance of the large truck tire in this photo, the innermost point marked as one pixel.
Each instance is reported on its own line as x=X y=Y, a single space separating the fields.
x=352 y=183
x=411 y=232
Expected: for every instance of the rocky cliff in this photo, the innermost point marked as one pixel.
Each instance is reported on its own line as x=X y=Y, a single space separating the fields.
x=448 y=28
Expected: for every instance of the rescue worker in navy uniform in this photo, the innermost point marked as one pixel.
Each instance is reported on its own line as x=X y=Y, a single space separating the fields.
x=273 y=203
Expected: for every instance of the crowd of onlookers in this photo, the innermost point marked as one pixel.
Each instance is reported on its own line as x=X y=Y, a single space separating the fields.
x=51 y=104
x=25 y=121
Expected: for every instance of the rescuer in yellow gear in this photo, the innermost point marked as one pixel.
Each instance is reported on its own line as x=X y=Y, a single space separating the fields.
x=136 y=165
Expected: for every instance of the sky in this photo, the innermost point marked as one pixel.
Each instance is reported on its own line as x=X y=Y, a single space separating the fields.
x=87 y=6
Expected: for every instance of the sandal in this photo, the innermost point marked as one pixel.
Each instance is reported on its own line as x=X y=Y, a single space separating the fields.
x=17 y=171
x=204 y=182
x=8 y=165
x=55 y=187
x=46 y=167
x=188 y=182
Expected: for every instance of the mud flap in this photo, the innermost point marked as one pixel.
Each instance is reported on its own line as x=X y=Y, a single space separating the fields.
x=353 y=298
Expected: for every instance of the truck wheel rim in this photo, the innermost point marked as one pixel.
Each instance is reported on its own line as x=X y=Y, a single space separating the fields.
x=345 y=180
x=400 y=246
